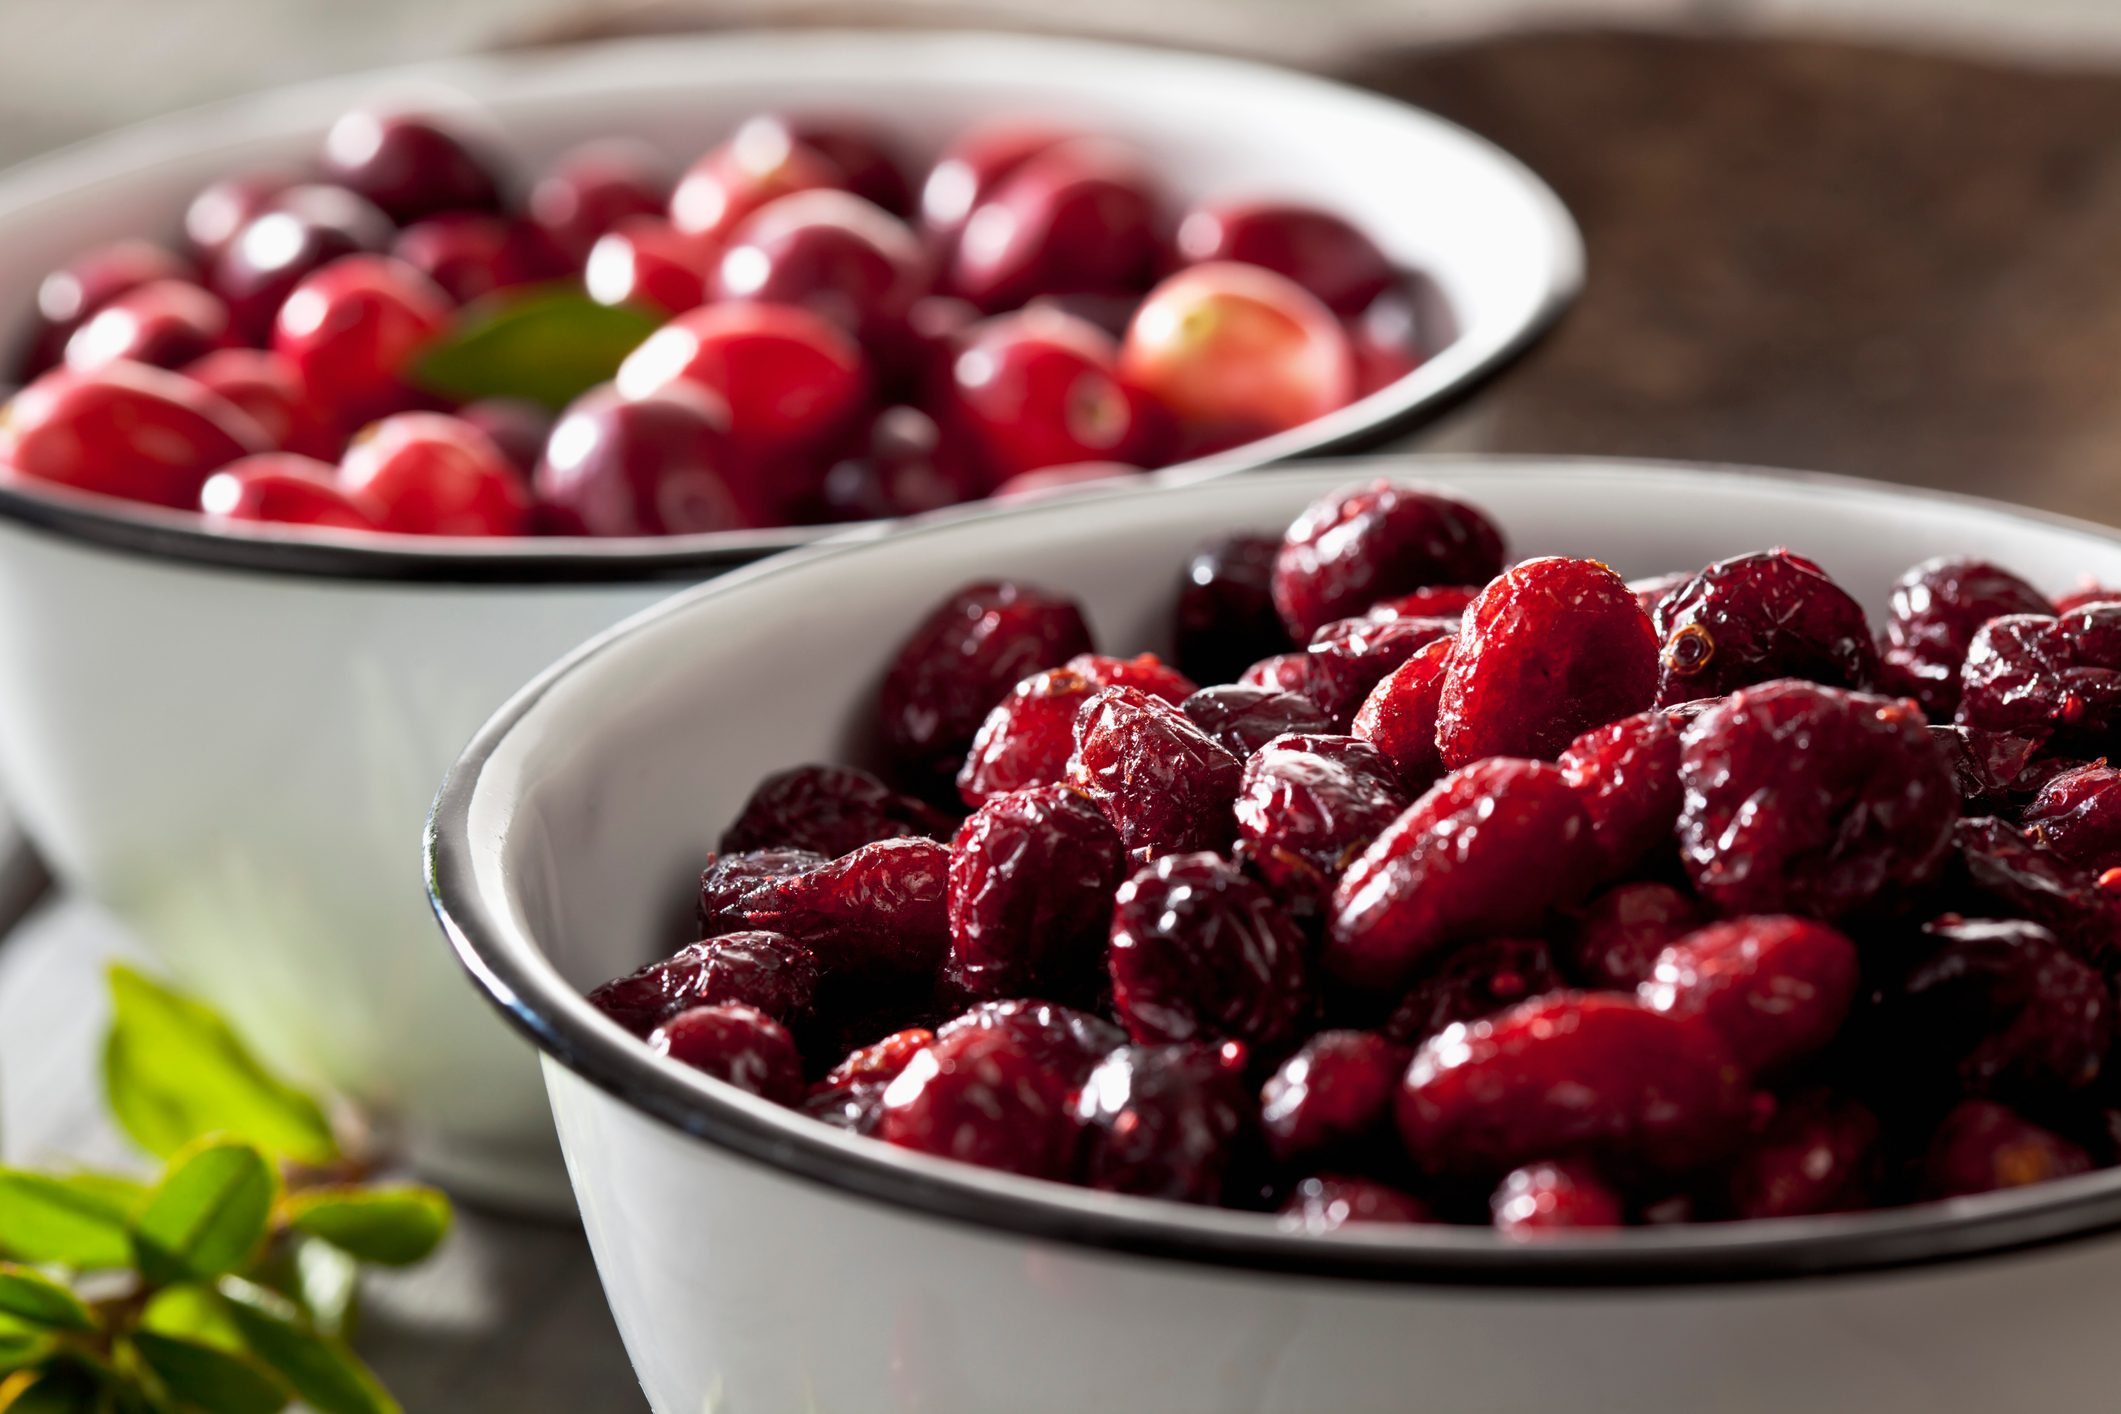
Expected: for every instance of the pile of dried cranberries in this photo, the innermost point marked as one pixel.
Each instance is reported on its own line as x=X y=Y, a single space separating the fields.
x=1487 y=892
x=835 y=343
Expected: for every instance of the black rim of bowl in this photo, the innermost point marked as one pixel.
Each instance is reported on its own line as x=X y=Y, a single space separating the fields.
x=530 y=995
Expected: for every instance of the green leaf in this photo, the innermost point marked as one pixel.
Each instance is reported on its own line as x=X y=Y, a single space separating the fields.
x=54 y=1221
x=30 y=1296
x=173 y=1071
x=394 y=1226
x=209 y=1213
x=22 y=1345
x=324 y=1373
x=193 y=1313
x=199 y=1376
x=327 y=1286
x=549 y=347
x=54 y=1389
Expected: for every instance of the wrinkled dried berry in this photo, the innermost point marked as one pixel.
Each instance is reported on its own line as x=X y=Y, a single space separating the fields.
x=1937 y=608
x=1775 y=989
x=1438 y=601
x=1808 y=799
x=1471 y=983
x=2036 y=676
x=2089 y=591
x=983 y=1096
x=1628 y=774
x=1165 y=785
x=1225 y=617
x=1758 y=617
x=1623 y=930
x=1062 y=1039
x=1243 y=719
x=1982 y=1147
x=1553 y=1197
x=1200 y=952
x=1164 y=1121
x=1367 y=543
x=1144 y=672
x=2077 y=814
x=1346 y=661
x=736 y=1043
x=1399 y=715
x=1990 y=767
x=1031 y=879
x=879 y=906
x=1652 y=592
x=1029 y=736
x=1551 y=649
x=1331 y=1102
x=1491 y=851
x=1308 y=806
x=775 y=974
x=1995 y=861
x=1326 y=1204
x=851 y=1094
x=829 y=810
x=1819 y=1154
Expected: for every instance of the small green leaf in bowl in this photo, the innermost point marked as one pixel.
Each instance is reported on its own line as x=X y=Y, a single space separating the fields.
x=546 y=346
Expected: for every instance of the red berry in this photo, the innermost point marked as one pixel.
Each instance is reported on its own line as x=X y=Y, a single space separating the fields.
x=1346 y=661
x=168 y=323
x=777 y=975
x=832 y=253
x=1982 y=1147
x=1937 y=608
x=224 y=207
x=1624 y=930
x=1473 y=982
x=1164 y=1121
x=1201 y=953
x=736 y=1043
x=1039 y=388
x=791 y=380
x=471 y=255
x=1244 y=719
x=876 y=910
x=763 y=160
x=1775 y=989
x=518 y=427
x=970 y=170
x=1553 y=1197
x=68 y=296
x=408 y=164
x=1628 y=773
x=1077 y=216
x=659 y=465
x=1819 y=1154
x=906 y=466
x=864 y=159
x=126 y=430
x=1225 y=619
x=588 y=190
x=1399 y=715
x=1162 y=782
x=1758 y=617
x=301 y=230
x=1031 y=880
x=1307 y=807
x=1367 y=543
x=1064 y=1040
x=2040 y=677
x=426 y=473
x=2077 y=814
x=851 y=1096
x=647 y=262
x=982 y=1096
x=353 y=330
x=1318 y=250
x=282 y=488
x=1029 y=737
x=269 y=388
x=828 y=810
x=1322 y=1205
x=1332 y=1101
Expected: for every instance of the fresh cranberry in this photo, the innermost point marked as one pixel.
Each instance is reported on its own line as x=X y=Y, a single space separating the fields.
x=1062 y=1039
x=1374 y=541
x=777 y=975
x=981 y=1095
x=1758 y=617
x=2042 y=677
x=763 y=160
x=168 y=323
x=1628 y=773
x=1161 y=781
x=1491 y=851
x=1775 y=989
x=1077 y=216
x=1809 y=799
x=791 y=380
x=427 y=473
x=829 y=810
x=70 y=295
x=1346 y=661
x=282 y=488
x=1201 y=953
x=1307 y=806
x=1031 y=880
x=1039 y=388
x=1399 y=715
x=1225 y=618
x=1237 y=352
x=2077 y=814
x=1060 y=480
x=269 y=389
x=408 y=164
x=1164 y=1121
x=224 y=207
x=1639 y=1093
x=299 y=232
x=588 y=190
x=126 y=430
x=834 y=254
x=1331 y=1102
x=659 y=465
x=1472 y=982
x=976 y=163
x=1318 y=250
x=354 y=329
x=736 y=1043
x=1327 y=1204
x=863 y=157
x=1818 y=1154
x=1624 y=930
x=1553 y=1197
x=879 y=907
x=906 y=466
x=1244 y=719
x=851 y=1094
x=471 y=255
x=1937 y=608
x=1999 y=863
x=647 y=262
x=1982 y=1147
x=518 y=427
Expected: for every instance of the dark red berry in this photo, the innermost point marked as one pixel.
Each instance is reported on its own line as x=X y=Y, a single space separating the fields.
x=1758 y=617
x=408 y=164
x=975 y=163
x=1937 y=608
x=1471 y=983
x=863 y=157
x=1346 y=661
x=775 y=974
x=657 y=465
x=224 y=207
x=646 y=262
x=1038 y=388
x=282 y=488
x=1325 y=1204
x=127 y=430
x=907 y=465
x=1652 y=592
x=1438 y=601
x=1628 y=774
x=763 y=160
x=168 y=323
x=1982 y=1147
x=828 y=810
x=2001 y=864
x=1992 y=768
x=270 y=389
x=300 y=231
x=1031 y=879
x=1553 y=1197
x=520 y=428
x=1775 y=989
x=1062 y=1039
x=1079 y=215
x=878 y=908
x=851 y=1094
x=1623 y=930
x=1331 y=1102
x=1165 y=1121
x=1165 y=785
x=1375 y=541
x=1307 y=807
x=982 y=1096
x=1243 y=719
x=834 y=254
x=1028 y=738
x=1316 y=249
x=1225 y=620
x=590 y=189
x=1399 y=715
x=736 y=1043
x=1200 y=952
x=2088 y=591
x=70 y=295
x=472 y=255
x=2077 y=814
x=353 y=331
x=1819 y=1154
x=2035 y=676
x=427 y=473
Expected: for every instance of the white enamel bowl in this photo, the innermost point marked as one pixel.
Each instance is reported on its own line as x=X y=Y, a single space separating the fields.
x=231 y=741
x=756 y=1260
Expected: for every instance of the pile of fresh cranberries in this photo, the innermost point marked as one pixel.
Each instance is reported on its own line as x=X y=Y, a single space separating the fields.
x=1487 y=892
x=838 y=344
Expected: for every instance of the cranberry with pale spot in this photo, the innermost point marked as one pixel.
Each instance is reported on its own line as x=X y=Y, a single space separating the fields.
x=1039 y=388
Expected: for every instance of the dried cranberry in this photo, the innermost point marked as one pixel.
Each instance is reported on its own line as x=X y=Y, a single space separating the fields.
x=1031 y=880
x=1061 y=1039
x=1308 y=806
x=1165 y=785
x=1346 y=661
x=1628 y=773
x=2077 y=814
x=1551 y=649
x=1372 y=542
x=1819 y=1154
x=1326 y=1204
x=1990 y=767
x=1652 y=592
x=1982 y=1147
x=1808 y=799
x=2088 y=591
x=1028 y=738
x=851 y=1094
x=736 y=1043
x=1775 y=989
x=880 y=906
x=1490 y=851
x=981 y=1095
x=1937 y=608
x=1553 y=1197
x=1998 y=862
x=1243 y=719
x=1592 y=1076
x=1754 y=618
x=1225 y=618
x=1332 y=1100
x=778 y=975
x=1200 y=952
x=1438 y=601
x=1472 y=983
x=829 y=810
x=1164 y=1121
x=1144 y=671
x=1399 y=715
x=1623 y=930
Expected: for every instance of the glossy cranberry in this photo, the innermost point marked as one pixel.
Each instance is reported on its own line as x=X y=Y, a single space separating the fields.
x=1201 y=953
x=518 y=427
x=851 y=1094
x=1809 y=799
x=834 y=254
x=1551 y=649
x=763 y=160
x=168 y=323
x=70 y=295
x=1062 y=480
x=1438 y=601
x=1062 y=1039
x=1999 y=863
x=1243 y=719
x=299 y=232
x=1327 y=1204
x=2077 y=814
x=1819 y=1154
x=590 y=189
x=646 y=262
x=1472 y=982
x=1332 y=1100
x=1318 y=250
x=1391 y=339
x=268 y=388
x=471 y=255
x=409 y=164
x=2040 y=677
x=1638 y=1093
x=1553 y=1197
x=736 y=1043
x=1758 y=617
x=1028 y=738
x=976 y=162
x=1165 y=785
x=1237 y=352
x=828 y=810
x=282 y=488
x=877 y=908
x=1652 y=592
x=659 y=465
x=127 y=430
x=224 y=207
x=791 y=381
x=1031 y=880
x=981 y=1095
x=1399 y=715
x=864 y=160
x=1078 y=215
x=1982 y=1147
x=1374 y=541
x=1346 y=661
x=2088 y=591
x=1039 y=388
x=1628 y=773
x=1491 y=851
x=353 y=330
x=777 y=975
x=1307 y=807
x=907 y=465
x=1992 y=768
x=1937 y=608
x=1225 y=618
x=964 y=658
x=1775 y=989
x=427 y=473
x=1623 y=930
x=1165 y=1121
